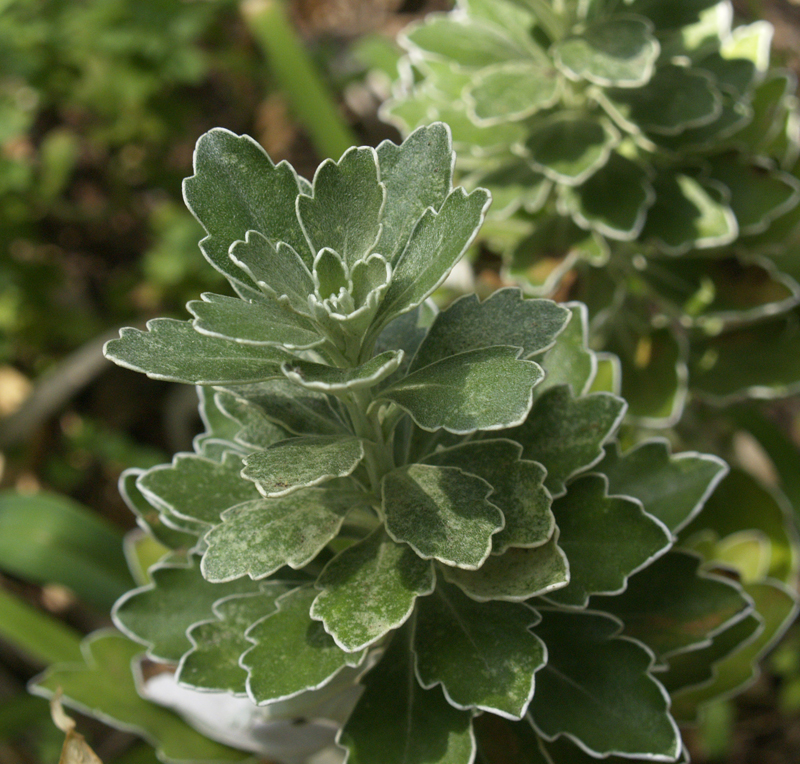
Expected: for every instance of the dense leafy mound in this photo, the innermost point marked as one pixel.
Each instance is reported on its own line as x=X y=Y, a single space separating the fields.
x=648 y=138
x=430 y=506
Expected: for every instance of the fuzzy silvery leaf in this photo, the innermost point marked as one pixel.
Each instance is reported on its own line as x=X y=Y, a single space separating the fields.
x=606 y=539
x=278 y=271
x=503 y=318
x=482 y=654
x=484 y=389
x=217 y=424
x=296 y=463
x=672 y=488
x=236 y=188
x=515 y=185
x=398 y=722
x=213 y=662
x=343 y=213
x=672 y=605
x=569 y=149
x=566 y=433
x=609 y=704
x=291 y=653
x=518 y=489
x=620 y=51
x=613 y=201
x=103 y=685
x=252 y=323
x=172 y=350
x=254 y=430
x=676 y=98
x=410 y=192
x=569 y=361
x=158 y=615
x=442 y=513
x=301 y=412
x=516 y=575
x=370 y=589
x=405 y=333
x=512 y=91
x=437 y=243
x=259 y=537
x=196 y=488
x=331 y=379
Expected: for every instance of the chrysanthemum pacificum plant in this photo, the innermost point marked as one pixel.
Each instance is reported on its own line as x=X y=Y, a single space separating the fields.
x=649 y=139
x=428 y=506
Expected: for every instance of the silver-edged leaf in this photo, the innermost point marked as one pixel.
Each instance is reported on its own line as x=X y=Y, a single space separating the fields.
x=253 y=429
x=485 y=389
x=597 y=690
x=345 y=210
x=482 y=654
x=331 y=379
x=672 y=488
x=369 y=589
x=292 y=653
x=302 y=462
x=566 y=433
x=518 y=489
x=503 y=318
x=606 y=539
x=398 y=722
x=259 y=537
x=442 y=513
x=173 y=351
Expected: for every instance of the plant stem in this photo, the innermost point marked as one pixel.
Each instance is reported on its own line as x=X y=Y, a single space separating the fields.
x=308 y=96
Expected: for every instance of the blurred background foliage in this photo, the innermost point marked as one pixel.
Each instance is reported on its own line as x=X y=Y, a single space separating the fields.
x=101 y=102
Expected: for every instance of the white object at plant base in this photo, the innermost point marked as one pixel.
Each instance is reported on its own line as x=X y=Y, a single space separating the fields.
x=296 y=731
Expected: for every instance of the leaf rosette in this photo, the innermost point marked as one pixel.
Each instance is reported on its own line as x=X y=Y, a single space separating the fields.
x=649 y=140
x=426 y=508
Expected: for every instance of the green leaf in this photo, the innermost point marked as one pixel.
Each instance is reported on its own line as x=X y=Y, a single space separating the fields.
x=481 y=653
x=654 y=376
x=254 y=429
x=104 y=686
x=47 y=538
x=511 y=92
x=503 y=318
x=606 y=539
x=676 y=98
x=569 y=361
x=330 y=379
x=370 y=589
x=196 y=488
x=172 y=350
x=292 y=653
x=673 y=606
x=218 y=643
x=483 y=389
x=501 y=740
x=410 y=192
x=236 y=188
x=596 y=689
x=437 y=243
x=514 y=185
x=259 y=537
x=442 y=513
x=569 y=149
x=614 y=201
x=278 y=271
x=344 y=212
x=671 y=488
x=687 y=215
x=470 y=44
x=299 y=411
x=566 y=434
x=518 y=489
x=516 y=575
x=397 y=722
x=158 y=615
x=302 y=462
x=620 y=51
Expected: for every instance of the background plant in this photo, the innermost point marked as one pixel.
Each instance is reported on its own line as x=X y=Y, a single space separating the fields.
x=647 y=147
